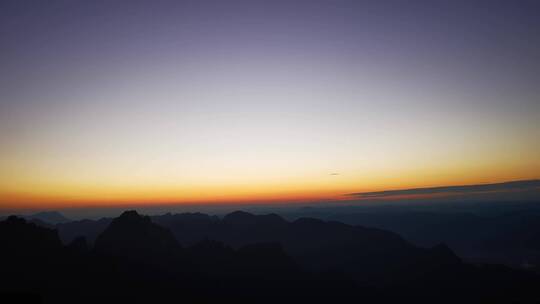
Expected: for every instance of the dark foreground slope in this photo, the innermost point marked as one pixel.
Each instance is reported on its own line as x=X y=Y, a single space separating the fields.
x=243 y=258
x=482 y=232
x=136 y=261
x=369 y=255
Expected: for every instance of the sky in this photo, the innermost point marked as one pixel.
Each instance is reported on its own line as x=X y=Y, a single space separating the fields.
x=152 y=102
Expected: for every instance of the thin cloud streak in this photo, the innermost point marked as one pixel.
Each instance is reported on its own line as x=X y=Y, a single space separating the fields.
x=465 y=189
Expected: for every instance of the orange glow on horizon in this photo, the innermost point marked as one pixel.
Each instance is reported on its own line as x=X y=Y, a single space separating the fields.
x=323 y=190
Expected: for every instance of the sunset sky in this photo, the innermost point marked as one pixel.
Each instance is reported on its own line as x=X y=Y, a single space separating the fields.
x=115 y=102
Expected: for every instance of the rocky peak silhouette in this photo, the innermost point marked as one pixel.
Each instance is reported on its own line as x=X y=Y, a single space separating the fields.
x=371 y=265
x=239 y=218
x=134 y=235
x=20 y=237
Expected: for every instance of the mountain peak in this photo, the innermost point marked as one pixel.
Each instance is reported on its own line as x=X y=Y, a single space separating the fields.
x=131 y=215
x=240 y=217
x=13 y=219
x=50 y=217
x=239 y=214
x=132 y=234
x=23 y=238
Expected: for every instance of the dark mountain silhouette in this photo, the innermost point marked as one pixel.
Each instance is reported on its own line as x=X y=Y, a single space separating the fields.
x=132 y=234
x=21 y=238
x=367 y=254
x=122 y=269
x=90 y=229
x=511 y=238
x=48 y=217
x=244 y=258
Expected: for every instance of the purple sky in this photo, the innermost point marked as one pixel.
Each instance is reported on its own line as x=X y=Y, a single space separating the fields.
x=264 y=99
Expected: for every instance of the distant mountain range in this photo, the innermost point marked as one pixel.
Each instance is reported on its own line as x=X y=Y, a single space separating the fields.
x=511 y=238
x=46 y=218
x=243 y=258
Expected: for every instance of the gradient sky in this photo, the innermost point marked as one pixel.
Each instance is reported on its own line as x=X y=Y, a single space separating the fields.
x=110 y=102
